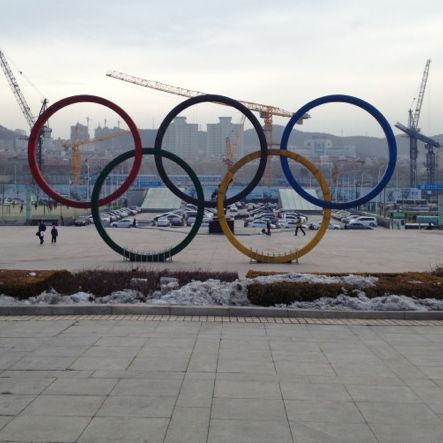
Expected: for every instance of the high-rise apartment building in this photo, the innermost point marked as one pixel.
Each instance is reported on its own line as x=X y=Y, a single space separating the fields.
x=79 y=132
x=217 y=134
x=181 y=138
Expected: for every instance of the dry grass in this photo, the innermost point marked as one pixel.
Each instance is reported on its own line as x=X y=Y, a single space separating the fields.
x=412 y=284
x=24 y=283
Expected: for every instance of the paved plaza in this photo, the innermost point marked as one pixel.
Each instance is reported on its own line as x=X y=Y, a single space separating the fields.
x=380 y=250
x=183 y=379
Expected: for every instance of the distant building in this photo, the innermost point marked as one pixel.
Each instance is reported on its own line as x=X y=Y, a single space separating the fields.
x=182 y=139
x=217 y=134
x=79 y=132
x=322 y=148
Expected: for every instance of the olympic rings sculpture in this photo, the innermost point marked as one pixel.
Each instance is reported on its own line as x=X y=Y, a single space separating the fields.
x=221 y=202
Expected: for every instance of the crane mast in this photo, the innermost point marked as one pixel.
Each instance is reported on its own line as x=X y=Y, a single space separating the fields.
x=414 y=134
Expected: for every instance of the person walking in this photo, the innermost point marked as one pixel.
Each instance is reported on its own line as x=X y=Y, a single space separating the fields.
x=41 y=232
x=299 y=225
x=54 y=233
x=268 y=228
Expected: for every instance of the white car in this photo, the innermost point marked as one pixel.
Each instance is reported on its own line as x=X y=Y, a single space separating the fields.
x=163 y=222
x=123 y=223
x=260 y=224
x=365 y=220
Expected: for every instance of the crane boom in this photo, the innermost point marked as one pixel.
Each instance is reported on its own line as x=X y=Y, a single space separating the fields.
x=26 y=110
x=266 y=112
x=190 y=93
x=421 y=95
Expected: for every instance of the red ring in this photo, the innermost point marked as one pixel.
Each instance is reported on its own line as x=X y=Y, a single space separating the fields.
x=33 y=140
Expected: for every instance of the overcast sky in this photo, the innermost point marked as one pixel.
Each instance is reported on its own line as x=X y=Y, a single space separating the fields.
x=281 y=53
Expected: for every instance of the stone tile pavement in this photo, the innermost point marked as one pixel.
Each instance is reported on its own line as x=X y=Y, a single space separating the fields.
x=206 y=379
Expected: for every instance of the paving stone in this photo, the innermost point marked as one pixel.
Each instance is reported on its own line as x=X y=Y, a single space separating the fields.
x=137 y=406
x=113 y=341
x=247 y=389
x=59 y=351
x=314 y=392
x=154 y=388
x=125 y=429
x=139 y=373
x=86 y=386
x=44 y=429
x=108 y=363
x=247 y=409
x=42 y=363
x=196 y=391
x=288 y=368
x=394 y=394
x=248 y=431
x=407 y=433
x=248 y=366
x=30 y=373
x=9 y=357
x=320 y=432
x=390 y=412
x=13 y=404
x=329 y=411
x=188 y=425
x=31 y=386
x=64 y=405
x=158 y=364
x=4 y=420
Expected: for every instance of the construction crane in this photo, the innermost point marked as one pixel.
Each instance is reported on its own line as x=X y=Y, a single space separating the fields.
x=414 y=134
x=265 y=111
x=76 y=161
x=231 y=148
x=26 y=110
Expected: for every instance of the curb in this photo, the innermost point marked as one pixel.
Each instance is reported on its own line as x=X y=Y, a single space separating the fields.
x=216 y=311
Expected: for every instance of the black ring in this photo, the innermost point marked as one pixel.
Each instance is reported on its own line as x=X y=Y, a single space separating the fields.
x=217 y=99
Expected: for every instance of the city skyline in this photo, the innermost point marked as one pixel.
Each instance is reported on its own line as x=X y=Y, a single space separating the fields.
x=284 y=54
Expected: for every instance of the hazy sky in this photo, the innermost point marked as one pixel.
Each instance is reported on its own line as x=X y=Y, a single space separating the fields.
x=282 y=53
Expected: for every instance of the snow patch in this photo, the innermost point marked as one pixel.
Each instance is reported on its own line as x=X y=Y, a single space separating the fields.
x=209 y=292
x=216 y=292
x=353 y=280
x=360 y=302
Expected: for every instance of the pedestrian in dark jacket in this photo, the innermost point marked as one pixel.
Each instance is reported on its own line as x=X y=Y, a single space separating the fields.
x=41 y=232
x=299 y=225
x=54 y=233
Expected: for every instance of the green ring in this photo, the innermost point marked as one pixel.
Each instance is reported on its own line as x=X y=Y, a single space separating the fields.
x=135 y=256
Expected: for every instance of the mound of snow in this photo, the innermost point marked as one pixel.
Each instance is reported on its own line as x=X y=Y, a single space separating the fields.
x=210 y=292
x=360 y=302
x=354 y=280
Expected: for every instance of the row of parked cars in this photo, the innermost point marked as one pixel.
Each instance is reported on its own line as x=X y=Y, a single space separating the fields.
x=355 y=221
x=261 y=215
x=182 y=217
x=115 y=218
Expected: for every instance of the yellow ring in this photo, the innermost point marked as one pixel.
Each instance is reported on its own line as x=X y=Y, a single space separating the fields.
x=255 y=255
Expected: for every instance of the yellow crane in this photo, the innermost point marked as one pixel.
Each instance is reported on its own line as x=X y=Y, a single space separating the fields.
x=76 y=161
x=266 y=112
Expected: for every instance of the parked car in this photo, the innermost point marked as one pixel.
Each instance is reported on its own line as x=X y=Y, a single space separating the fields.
x=357 y=225
x=123 y=223
x=348 y=218
x=81 y=221
x=365 y=220
x=176 y=220
x=163 y=222
x=260 y=224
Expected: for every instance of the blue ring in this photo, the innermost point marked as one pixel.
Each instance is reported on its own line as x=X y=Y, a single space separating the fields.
x=392 y=144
